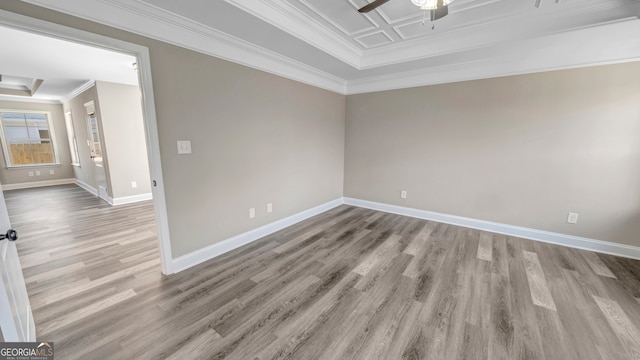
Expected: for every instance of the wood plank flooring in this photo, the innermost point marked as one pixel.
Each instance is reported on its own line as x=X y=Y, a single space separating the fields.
x=350 y=283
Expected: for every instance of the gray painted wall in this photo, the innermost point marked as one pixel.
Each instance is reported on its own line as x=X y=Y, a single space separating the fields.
x=256 y=138
x=62 y=171
x=121 y=126
x=124 y=139
x=520 y=150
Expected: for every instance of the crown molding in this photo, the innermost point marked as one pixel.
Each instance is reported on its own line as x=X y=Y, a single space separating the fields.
x=583 y=47
x=77 y=91
x=305 y=28
x=150 y=21
x=27 y=99
x=602 y=43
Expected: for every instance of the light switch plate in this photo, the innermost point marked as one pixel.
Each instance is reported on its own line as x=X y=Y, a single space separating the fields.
x=184 y=147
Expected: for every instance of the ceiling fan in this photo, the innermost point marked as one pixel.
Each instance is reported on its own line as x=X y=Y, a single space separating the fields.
x=437 y=8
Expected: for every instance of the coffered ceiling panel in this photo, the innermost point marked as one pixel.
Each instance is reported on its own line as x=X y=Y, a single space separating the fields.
x=397 y=11
x=375 y=39
x=338 y=14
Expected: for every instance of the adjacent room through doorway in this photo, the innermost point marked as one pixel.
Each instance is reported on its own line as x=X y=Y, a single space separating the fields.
x=75 y=175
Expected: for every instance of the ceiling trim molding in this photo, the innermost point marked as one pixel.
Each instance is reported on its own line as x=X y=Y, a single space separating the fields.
x=303 y=27
x=286 y=17
x=365 y=45
x=477 y=71
x=521 y=61
x=143 y=19
x=501 y=59
x=458 y=41
x=77 y=91
x=336 y=24
x=27 y=99
x=36 y=85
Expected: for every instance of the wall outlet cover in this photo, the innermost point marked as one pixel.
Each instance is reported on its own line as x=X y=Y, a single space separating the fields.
x=184 y=147
x=52 y=172
x=572 y=218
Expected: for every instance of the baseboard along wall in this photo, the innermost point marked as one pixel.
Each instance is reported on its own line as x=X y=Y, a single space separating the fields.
x=600 y=246
x=35 y=184
x=113 y=201
x=87 y=187
x=129 y=199
x=194 y=258
x=199 y=256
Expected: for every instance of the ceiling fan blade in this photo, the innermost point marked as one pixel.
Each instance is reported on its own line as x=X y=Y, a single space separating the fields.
x=373 y=5
x=440 y=12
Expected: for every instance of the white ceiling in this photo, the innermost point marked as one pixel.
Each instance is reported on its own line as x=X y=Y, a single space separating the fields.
x=330 y=45
x=62 y=65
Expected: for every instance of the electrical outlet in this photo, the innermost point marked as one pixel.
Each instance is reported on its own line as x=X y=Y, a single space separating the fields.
x=252 y=213
x=134 y=184
x=184 y=147
x=572 y=218
x=269 y=208
x=30 y=173
x=52 y=172
x=403 y=194
x=37 y=172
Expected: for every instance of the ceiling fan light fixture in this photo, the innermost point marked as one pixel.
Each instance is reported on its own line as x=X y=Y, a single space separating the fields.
x=430 y=4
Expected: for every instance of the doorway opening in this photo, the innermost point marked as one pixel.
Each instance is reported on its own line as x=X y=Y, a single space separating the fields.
x=101 y=225
x=142 y=67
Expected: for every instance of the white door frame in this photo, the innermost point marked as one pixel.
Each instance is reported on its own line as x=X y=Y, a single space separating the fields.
x=40 y=27
x=97 y=162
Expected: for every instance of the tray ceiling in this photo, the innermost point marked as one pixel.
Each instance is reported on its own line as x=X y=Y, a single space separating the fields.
x=330 y=45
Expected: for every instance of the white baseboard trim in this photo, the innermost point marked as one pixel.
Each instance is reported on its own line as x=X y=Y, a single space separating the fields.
x=86 y=186
x=600 y=246
x=34 y=184
x=199 y=256
x=130 y=199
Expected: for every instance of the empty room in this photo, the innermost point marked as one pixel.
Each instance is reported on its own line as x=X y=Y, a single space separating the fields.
x=346 y=179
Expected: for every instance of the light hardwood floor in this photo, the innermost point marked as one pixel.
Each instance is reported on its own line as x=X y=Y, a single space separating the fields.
x=348 y=284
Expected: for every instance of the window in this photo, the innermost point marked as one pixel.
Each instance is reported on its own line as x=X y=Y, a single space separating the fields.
x=71 y=136
x=94 y=135
x=27 y=138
